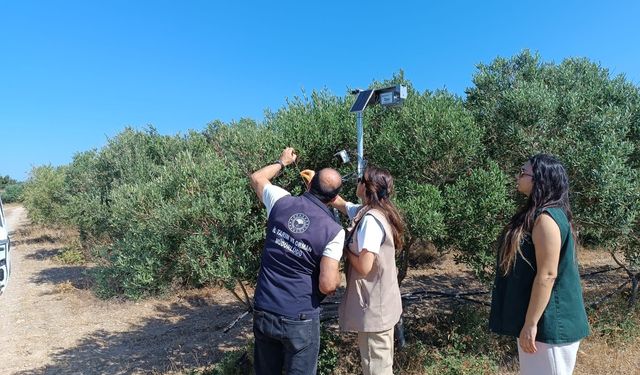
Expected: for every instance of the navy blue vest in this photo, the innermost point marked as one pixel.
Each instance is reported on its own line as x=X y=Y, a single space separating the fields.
x=298 y=230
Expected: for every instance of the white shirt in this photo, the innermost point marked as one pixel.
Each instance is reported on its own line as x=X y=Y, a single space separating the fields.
x=370 y=233
x=272 y=193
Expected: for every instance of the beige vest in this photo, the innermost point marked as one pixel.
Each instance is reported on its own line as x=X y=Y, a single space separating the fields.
x=372 y=303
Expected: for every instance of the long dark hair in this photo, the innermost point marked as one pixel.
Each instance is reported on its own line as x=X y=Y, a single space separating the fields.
x=378 y=188
x=550 y=189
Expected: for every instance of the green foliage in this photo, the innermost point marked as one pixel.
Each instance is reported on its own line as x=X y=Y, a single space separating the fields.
x=71 y=255
x=453 y=342
x=157 y=211
x=463 y=329
x=431 y=139
x=6 y=180
x=317 y=126
x=329 y=352
x=10 y=190
x=578 y=112
x=244 y=143
x=477 y=207
x=237 y=362
x=87 y=188
x=12 y=193
x=422 y=206
x=452 y=362
x=418 y=358
x=191 y=224
x=44 y=196
x=161 y=211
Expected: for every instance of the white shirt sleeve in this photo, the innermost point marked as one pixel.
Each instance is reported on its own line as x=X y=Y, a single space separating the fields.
x=370 y=235
x=271 y=194
x=352 y=209
x=334 y=248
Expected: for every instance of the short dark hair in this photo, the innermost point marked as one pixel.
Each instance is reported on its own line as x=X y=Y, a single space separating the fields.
x=322 y=190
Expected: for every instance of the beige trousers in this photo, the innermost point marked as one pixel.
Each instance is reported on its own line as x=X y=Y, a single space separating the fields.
x=376 y=352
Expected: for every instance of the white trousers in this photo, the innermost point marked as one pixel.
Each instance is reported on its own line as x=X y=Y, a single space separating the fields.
x=550 y=359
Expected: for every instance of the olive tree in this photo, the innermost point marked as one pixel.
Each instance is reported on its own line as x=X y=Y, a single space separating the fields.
x=577 y=111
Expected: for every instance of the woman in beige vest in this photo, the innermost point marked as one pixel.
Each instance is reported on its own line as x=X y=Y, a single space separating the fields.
x=371 y=305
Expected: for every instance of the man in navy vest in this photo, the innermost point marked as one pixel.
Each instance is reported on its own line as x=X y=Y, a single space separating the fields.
x=299 y=267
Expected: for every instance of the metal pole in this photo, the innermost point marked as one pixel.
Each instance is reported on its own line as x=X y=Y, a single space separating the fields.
x=360 y=145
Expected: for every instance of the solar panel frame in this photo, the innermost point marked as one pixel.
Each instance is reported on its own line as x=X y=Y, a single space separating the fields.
x=361 y=101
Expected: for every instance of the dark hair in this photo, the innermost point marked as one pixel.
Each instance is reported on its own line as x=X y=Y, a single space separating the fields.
x=322 y=189
x=378 y=188
x=550 y=189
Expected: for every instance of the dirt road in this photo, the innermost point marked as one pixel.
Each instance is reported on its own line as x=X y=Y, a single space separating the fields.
x=51 y=323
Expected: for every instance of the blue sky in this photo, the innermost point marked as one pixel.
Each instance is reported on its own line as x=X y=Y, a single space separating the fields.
x=74 y=73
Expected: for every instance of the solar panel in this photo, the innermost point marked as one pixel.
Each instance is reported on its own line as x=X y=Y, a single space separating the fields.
x=361 y=101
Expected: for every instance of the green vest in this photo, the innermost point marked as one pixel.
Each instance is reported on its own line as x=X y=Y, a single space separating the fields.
x=564 y=319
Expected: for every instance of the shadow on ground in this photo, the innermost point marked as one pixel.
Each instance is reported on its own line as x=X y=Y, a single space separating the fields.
x=181 y=337
x=76 y=275
x=26 y=239
x=44 y=254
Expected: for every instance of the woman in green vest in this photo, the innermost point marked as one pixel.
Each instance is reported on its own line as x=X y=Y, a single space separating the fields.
x=537 y=296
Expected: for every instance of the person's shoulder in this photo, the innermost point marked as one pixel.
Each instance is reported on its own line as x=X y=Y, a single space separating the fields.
x=371 y=223
x=369 y=218
x=377 y=215
x=275 y=189
x=545 y=218
x=555 y=214
x=375 y=212
x=545 y=222
x=271 y=195
x=274 y=192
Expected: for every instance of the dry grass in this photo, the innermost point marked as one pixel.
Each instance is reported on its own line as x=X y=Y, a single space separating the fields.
x=597 y=357
x=601 y=353
x=36 y=236
x=65 y=287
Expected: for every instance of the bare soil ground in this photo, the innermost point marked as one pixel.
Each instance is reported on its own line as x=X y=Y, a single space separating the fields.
x=51 y=323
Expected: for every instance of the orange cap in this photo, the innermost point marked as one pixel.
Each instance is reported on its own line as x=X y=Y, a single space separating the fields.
x=307 y=175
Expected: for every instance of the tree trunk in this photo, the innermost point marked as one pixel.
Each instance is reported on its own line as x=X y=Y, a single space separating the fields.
x=403 y=261
x=634 y=290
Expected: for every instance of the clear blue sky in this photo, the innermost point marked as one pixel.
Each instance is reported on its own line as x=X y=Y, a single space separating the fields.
x=73 y=73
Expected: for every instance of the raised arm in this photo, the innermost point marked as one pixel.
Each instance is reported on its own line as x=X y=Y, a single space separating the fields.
x=340 y=204
x=263 y=176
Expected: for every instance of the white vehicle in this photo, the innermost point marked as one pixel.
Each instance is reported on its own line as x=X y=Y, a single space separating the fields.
x=5 y=251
